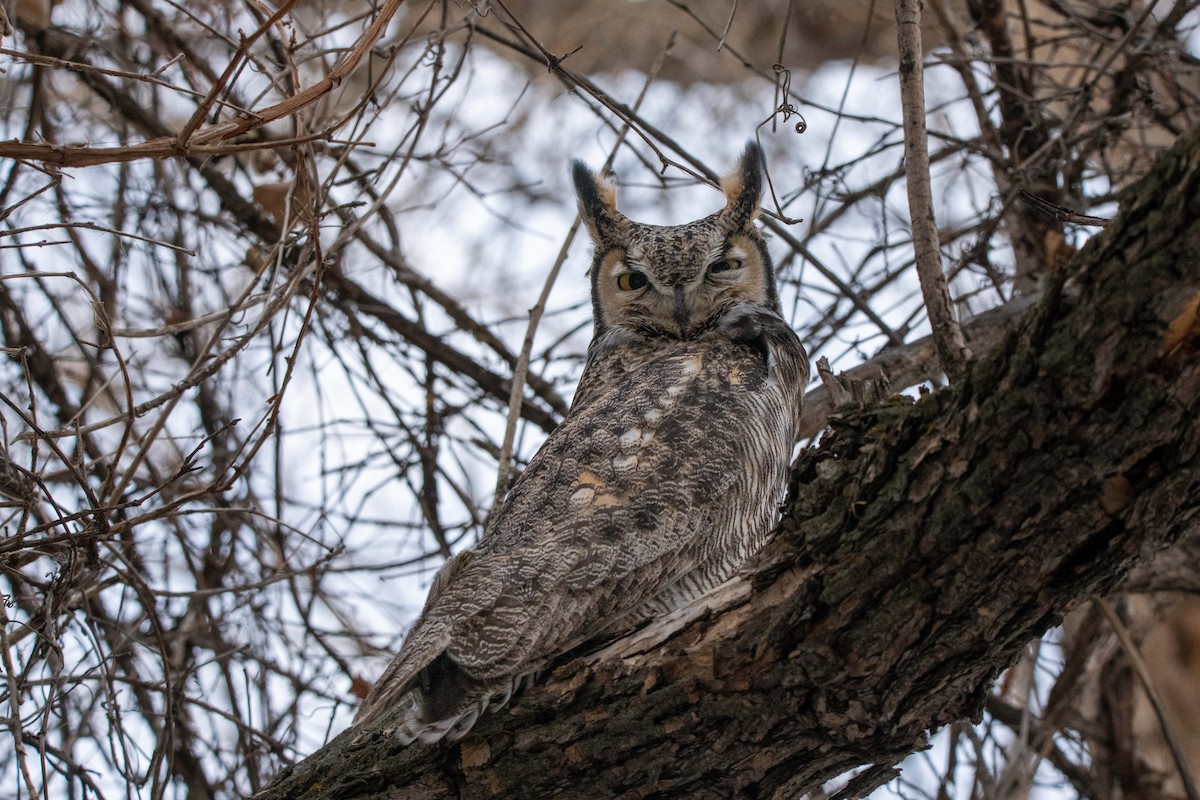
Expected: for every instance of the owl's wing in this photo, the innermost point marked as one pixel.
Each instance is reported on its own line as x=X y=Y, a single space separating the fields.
x=621 y=501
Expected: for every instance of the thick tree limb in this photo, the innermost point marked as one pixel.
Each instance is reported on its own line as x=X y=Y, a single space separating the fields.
x=923 y=546
x=915 y=362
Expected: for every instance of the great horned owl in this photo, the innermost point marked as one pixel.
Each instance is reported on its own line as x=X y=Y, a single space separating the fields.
x=664 y=476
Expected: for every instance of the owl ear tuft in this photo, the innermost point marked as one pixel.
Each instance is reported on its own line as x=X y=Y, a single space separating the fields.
x=597 y=202
x=743 y=188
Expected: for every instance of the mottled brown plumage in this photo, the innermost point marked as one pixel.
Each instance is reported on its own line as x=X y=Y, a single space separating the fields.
x=665 y=475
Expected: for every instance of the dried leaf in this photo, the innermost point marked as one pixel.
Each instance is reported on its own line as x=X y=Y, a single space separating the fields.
x=474 y=753
x=1185 y=328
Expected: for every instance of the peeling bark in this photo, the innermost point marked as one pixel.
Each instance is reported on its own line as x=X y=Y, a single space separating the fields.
x=924 y=544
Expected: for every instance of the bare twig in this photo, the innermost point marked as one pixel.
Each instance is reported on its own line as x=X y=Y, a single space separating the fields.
x=947 y=334
x=235 y=63
x=1060 y=213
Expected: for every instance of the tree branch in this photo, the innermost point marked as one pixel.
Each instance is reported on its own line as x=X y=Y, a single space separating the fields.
x=947 y=335
x=912 y=363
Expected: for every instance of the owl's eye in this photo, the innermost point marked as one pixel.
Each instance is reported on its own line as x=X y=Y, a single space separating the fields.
x=726 y=265
x=628 y=281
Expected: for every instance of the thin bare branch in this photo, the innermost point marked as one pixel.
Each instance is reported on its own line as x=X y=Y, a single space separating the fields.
x=947 y=334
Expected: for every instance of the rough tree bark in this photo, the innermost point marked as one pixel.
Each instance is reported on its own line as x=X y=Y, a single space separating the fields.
x=924 y=544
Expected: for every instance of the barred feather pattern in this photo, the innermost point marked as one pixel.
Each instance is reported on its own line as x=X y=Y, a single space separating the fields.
x=666 y=474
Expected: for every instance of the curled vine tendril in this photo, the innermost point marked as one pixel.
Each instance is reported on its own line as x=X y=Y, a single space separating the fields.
x=785 y=108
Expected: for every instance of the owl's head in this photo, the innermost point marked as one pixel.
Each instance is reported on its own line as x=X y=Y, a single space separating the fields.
x=677 y=281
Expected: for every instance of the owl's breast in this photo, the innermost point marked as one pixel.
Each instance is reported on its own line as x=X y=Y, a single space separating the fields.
x=664 y=476
x=631 y=425
x=663 y=428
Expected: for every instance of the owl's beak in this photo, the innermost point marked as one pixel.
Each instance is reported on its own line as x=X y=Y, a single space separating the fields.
x=681 y=311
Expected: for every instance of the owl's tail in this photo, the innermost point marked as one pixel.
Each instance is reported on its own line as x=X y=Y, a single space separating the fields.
x=415 y=724
x=442 y=702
